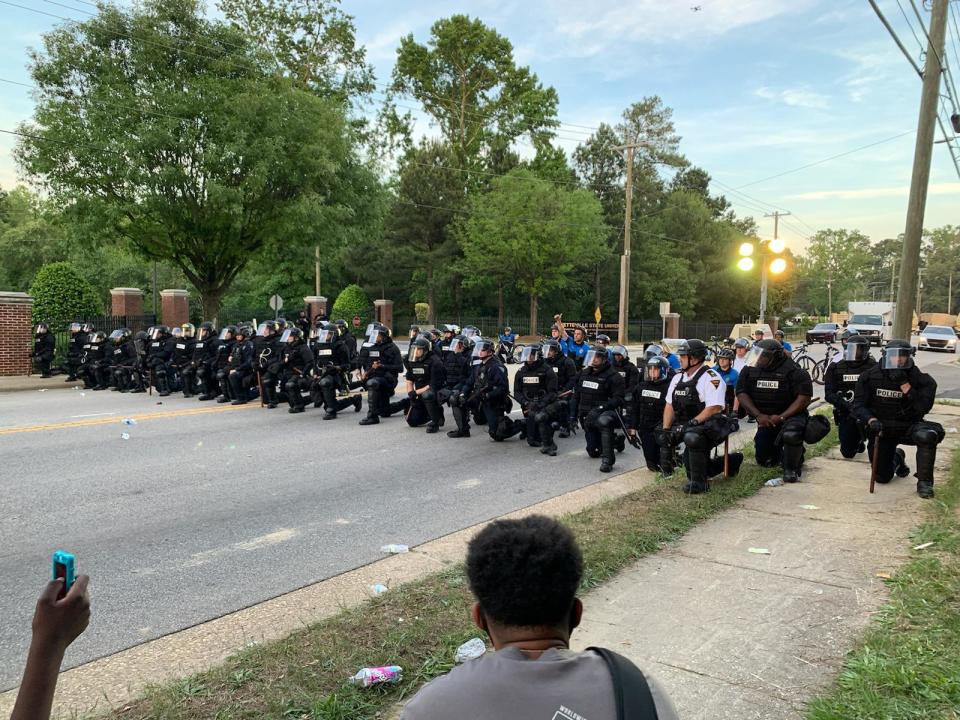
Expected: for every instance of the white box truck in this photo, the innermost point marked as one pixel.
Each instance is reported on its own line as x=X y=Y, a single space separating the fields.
x=873 y=320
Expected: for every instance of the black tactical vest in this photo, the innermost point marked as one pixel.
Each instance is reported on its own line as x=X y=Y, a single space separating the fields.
x=323 y=354
x=650 y=398
x=594 y=388
x=770 y=390
x=686 y=400
x=847 y=374
x=533 y=381
x=420 y=370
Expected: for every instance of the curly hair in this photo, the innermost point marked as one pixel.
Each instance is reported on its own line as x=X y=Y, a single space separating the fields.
x=526 y=572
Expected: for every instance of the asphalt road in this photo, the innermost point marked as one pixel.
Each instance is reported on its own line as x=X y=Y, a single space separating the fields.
x=207 y=509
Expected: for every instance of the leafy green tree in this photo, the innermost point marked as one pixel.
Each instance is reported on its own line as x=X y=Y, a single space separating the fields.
x=61 y=295
x=541 y=234
x=467 y=80
x=834 y=268
x=941 y=270
x=172 y=130
x=351 y=301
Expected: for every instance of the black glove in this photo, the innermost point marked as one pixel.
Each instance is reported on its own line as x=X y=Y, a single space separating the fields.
x=593 y=416
x=875 y=426
x=693 y=423
x=412 y=395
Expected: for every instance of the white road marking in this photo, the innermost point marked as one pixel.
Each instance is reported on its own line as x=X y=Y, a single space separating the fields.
x=469 y=483
x=74 y=417
x=279 y=536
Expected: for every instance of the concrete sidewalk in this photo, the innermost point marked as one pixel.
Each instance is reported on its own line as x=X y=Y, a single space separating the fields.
x=736 y=634
x=22 y=383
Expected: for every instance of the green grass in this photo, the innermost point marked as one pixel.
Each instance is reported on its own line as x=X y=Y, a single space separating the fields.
x=419 y=625
x=908 y=665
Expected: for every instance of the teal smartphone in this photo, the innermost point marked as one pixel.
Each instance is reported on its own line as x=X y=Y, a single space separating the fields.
x=64 y=566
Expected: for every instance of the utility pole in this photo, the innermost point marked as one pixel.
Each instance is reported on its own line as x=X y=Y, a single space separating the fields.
x=625 y=258
x=893 y=277
x=776 y=215
x=919 y=290
x=923 y=150
x=950 y=294
x=316 y=268
x=829 y=294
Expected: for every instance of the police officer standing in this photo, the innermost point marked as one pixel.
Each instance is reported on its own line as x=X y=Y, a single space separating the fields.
x=630 y=373
x=776 y=392
x=839 y=385
x=380 y=363
x=425 y=378
x=535 y=388
x=692 y=414
x=44 y=344
x=598 y=396
x=296 y=365
x=891 y=399
x=645 y=414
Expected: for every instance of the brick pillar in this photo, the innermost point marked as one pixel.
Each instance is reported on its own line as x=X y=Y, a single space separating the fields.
x=671 y=325
x=175 y=307
x=126 y=301
x=316 y=306
x=16 y=333
x=383 y=312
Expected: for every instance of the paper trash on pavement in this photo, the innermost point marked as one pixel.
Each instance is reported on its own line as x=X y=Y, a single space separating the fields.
x=470 y=650
x=923 y=546
x=759 y=551
x=774 y=482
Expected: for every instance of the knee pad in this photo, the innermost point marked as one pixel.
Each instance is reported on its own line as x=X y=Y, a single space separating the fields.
x=793 y=436
x=925 y=435
x=541 y=417
x=429 y=396
x=696 y=439
x=607 y=421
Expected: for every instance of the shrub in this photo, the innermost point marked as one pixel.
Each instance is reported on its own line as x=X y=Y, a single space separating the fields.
x=61 y=295
x=422 y=311
x=351 y=301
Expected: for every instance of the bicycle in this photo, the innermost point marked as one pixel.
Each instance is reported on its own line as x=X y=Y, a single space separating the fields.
x=817 y=369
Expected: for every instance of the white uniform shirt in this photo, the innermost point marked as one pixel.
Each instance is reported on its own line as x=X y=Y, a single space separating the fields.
x=739 y=362
x=711 y=387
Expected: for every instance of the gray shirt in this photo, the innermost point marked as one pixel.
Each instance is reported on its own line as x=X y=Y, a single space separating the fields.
x=559 y=685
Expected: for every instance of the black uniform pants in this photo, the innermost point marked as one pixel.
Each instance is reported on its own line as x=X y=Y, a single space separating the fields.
x=223 y=382
x=188 y=376
x=924 y=435
x=240 y=383
x=294 y=386
x=651 y=448
x=425 y=409
x=699 y=440
x=598 y=430
x=327 y=393
x=43 y=361
x=379 y=391
x=207 y=379
x=781 y=445
x=72 y=365
x=850 y=432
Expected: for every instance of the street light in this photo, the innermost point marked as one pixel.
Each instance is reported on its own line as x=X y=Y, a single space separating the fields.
x=770 y=262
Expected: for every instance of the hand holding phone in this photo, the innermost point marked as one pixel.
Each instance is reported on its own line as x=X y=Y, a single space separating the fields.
x=64 y=567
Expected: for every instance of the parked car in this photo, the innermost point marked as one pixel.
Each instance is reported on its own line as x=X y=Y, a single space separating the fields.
x=937 y=337
x=823 y=332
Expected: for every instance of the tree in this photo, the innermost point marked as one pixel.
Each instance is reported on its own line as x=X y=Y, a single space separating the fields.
x=697 y=180
x=61 y=295
x=170 y=129
x=537 y=232
x=419 y=231
x=941 y=269
x=834 y=268
x=466 y=79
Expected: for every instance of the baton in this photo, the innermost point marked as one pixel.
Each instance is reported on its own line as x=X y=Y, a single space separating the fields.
x=151 y=382
x=873 y=465
x=260 y=386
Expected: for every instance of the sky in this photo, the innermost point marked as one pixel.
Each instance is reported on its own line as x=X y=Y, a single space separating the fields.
x=758 y=88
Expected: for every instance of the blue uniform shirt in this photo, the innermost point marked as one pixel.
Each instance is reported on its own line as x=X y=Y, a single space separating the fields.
x=575 y=351
x=673 y=360
x=508 y=338
x=787 y=346
x=729 y=377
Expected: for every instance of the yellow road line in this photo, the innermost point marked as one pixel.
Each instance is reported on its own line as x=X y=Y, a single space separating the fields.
x=116 y=420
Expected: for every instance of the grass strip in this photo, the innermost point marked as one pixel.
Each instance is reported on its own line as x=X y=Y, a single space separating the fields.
x=419 y=625
x=908 y=665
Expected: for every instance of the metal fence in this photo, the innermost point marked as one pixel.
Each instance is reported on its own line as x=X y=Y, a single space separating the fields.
x=107 y=323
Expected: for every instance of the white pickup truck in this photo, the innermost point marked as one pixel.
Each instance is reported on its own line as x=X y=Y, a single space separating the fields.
x=873 y=320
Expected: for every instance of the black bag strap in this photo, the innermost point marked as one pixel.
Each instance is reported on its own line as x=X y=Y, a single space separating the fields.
x=631 y=691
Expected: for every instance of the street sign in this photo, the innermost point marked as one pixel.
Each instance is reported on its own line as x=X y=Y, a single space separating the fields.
x=356 y=321
x=276 y=303
x=664 y=309
x=596 y=314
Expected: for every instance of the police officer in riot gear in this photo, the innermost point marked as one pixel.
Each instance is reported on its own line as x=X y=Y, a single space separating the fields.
x=44 y=345
x=775 y=391
x=266 y=352
x=558 y=412
x=93 y=351
x=645 y=414
x=425 y=378
x=486 y=393
x=331 y=360
x=123 y=360
x=159 y=352
x=599 y=396
x=630 y=373
x=137 y=376
x=227 y=339
x=456 y=367
x=380 y=363
x=347 y=337
x=296 y=361
x=891 y=399
x=78 y=339
x=693 y=414
x=201 y=373
x=448 y=332
x=241 y=366
x=535 y=388
x=182 y=356
x=839 y=384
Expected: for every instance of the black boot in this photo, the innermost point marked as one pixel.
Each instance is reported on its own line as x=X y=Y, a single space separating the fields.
x=697 y=462
x=370 y=420
x=926 y=457
x=792 y=462
x=607 y=455
x=620 y=442
x=900 y=464
x=357 y=403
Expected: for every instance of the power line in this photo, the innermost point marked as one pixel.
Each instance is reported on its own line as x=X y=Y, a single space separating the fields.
x=895 y=37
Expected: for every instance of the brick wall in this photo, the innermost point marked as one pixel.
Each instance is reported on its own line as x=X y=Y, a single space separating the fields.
x=126 y=302
x=175 y=306
x=16 y=333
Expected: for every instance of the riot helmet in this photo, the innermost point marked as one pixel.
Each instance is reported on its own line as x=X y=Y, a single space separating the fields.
x=458 y=344
x=766 y=353
x=694 y=350
x=159 y=332
x=268 y=328
x=596 y=357
x=176 y=332
x=75 y=327
x=207 y=330
x=897 y=356
x=414 y=331
x=470 y=331
x=449 y=331
x=120 y=336
x=741 y=344
x=531 y=355
x=292 y=335
x=377 y=333
x=228 y=333
x=619 y=351
x=551 y=349
x=244 y=332
x=327 y=334
x=420 y=348
x=603 y=339
x=88 y=327
x=653 y=350
x=857 y=349
x=657 y=369
x=98 y=337
x=341 y=326
x=188 y=330
x=41 y=329
x=482 y=348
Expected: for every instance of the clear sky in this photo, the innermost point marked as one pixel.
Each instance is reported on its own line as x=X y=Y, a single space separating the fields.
x=758 y=87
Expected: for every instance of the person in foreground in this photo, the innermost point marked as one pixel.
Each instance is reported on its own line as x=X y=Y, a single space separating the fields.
x=56 y=624
x=525 y=574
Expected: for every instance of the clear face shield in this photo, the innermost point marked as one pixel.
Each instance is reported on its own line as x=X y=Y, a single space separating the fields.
x=373 y=334
x=897 y=358
x=481 y=350
x=287 y=336
x=189 y=330
x=653 y=351
x=263 y=330
x=176 y=332
x=471 y=332
x=457 y=345
x=594 y=358
x=116 y=335
x=325 y=336
x=652 y=372
x=156 y=334
x=226 y=334
x=75 y=328
x=752 y=358
x=854 y=352
x=531 y=354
